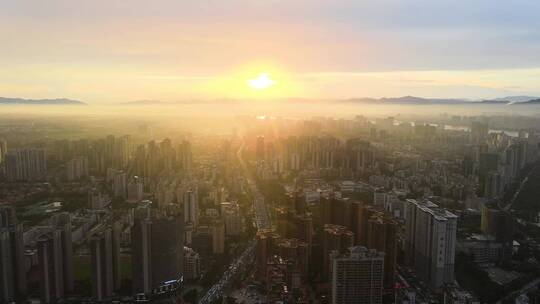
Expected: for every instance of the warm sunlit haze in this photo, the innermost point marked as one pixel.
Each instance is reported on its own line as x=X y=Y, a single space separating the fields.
x=116 y=51
x=270 y=151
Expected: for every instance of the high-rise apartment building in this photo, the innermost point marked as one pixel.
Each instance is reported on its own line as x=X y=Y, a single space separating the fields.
x=497 y=223
x=12 y=268
x=76 y=168
x=51 y=267
x=230 y=212
x=157 y=248
x=105 y=260
x=430 y=241
x=298 y=253
x=335 y=238
x=97 y=200
x=192 y=264
x=185 y=156
x=260 y=148
x=267 y=241
x=26 y=165
x=218 y=237
x=62 y=222
x=121 y=150
x=191 y=207
x=101 y=250
x=382 y=236
x=119 y=185
x=479 y=132
x=135 y=190
x=3 y=150
x=357 y=276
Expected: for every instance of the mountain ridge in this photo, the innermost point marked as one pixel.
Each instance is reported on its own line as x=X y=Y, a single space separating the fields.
x=23 y=101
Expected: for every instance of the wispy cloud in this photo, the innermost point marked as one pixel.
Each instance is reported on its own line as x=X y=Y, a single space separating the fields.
x=172 y=48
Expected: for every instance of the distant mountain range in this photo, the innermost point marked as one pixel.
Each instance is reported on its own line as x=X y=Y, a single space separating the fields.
x=516 y=98
x=405 y=100
x=21 y=101
x=510 y=100
x=529 y=102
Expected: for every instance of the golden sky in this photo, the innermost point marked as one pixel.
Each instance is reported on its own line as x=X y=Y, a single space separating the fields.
x=116 y=51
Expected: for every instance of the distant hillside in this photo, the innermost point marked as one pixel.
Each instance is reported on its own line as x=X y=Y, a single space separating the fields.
x=494 y=101
x=413 y=100
x=516 y=98
x=21 y=101
x=526 y=103
x=408 y=100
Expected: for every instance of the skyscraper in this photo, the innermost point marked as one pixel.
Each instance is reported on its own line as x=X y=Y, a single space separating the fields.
x=218 y=237
x=479 y=131
x=12 y=268
x=157 y=248
x=497 y=223
x=364 y=213
x=7 y=290
x=335 y=238
x=3 y=150
x=26 y=165
x=120 y=155
x=192 y=264
x=191 y=207
x=102 y=265
x=430 y=241
x=266 y=244
x=260 y=149
x=357 y=277
x=135 y=189
x=140 y=254
x=51 y=267
x=62 y=224
x=184 y=156
x=382 y=236
x=230 y=212
x=76 y=168
x=119 y=185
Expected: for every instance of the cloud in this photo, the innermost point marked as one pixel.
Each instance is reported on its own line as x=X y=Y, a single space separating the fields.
x=175 y=40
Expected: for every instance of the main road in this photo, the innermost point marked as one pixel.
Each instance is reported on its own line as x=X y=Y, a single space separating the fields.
x=521 y=185
x=262 y=220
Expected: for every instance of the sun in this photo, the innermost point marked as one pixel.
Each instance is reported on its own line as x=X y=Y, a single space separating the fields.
x=263 y=81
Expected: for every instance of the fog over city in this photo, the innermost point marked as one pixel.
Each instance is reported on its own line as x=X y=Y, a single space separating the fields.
x=280 y=152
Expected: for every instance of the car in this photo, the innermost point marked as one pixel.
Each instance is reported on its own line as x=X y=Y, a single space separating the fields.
x=141 y=298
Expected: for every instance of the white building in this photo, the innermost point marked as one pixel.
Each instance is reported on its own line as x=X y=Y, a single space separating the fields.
x=430 y=241
x=357 y=277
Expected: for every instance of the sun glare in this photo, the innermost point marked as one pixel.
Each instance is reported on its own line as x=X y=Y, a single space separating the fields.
x=263 y=81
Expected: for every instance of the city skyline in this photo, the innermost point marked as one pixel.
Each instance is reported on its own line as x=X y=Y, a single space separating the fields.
x=270 y=151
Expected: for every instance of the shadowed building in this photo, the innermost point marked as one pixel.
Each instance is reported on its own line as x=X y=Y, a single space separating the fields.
x=335 y=238
x=157 y=248
x=12 y=268
x=357 y=276
x=382 y=236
